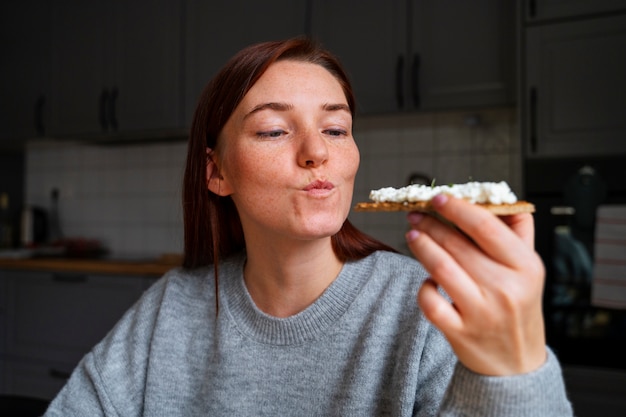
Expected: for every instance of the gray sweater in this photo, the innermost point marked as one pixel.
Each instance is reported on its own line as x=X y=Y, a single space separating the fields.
x=362 y=349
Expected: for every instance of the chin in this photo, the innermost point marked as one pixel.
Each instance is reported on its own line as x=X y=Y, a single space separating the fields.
x=323 y=230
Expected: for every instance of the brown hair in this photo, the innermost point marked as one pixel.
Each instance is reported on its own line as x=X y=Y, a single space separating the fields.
x=212 y=226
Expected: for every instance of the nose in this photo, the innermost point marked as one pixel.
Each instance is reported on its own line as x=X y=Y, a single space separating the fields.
x=313 y=150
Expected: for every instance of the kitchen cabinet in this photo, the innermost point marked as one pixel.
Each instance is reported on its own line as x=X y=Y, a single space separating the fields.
x=369 y=39
x=3 y=323
x=25 y=39
x=574 y=90
x=215 y=30
x=422 y=54
x=115 y=67
x=52 y=320
x=544 y=10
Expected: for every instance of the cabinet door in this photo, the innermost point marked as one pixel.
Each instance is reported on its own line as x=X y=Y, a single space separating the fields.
x=4 y=319
x=541 y=10
x=34 y=378
x=216 y=30
x=59 y=317
x=24 y=101
x=78 y=66
x=369 y=37
x=463 y=53
x=575 y=89
x=115 y=67
x=145 y=51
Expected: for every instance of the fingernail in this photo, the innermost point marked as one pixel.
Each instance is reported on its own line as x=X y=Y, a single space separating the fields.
x=411 y=235
x=439 y=200
x=415 y=217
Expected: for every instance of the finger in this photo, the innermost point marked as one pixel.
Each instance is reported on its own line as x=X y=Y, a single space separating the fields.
x=443 y=268
x=523 y=225
x=438 y=309
x=491 y=234
x=460 y=248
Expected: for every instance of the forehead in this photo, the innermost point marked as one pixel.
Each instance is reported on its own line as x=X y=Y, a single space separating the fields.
x=290 y=77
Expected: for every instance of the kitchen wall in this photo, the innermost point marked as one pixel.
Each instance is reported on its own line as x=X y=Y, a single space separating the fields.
x=129 y=196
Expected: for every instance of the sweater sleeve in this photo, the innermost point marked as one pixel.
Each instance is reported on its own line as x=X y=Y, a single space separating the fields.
x=538 y=393
x=110 y=380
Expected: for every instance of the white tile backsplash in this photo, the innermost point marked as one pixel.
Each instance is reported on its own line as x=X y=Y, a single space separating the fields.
x=129 y=196
x=126 y=196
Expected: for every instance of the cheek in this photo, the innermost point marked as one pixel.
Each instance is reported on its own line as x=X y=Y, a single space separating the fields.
x=351 y=163
x=248 y=169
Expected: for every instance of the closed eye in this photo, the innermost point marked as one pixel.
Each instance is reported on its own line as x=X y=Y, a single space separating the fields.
x=335 y=132
x=271 y=134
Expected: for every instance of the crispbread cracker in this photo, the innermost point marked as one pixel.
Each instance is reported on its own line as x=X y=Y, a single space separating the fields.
x=425 y=206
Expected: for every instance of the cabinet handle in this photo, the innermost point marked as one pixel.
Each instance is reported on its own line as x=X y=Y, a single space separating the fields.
x=39 y=126
x=415 y=71
x=112 y=112
x=104 y=98
x=69 y=278
x=532 y=104
x=58 y=374
x=399 y=81
x=532 y=9
x=562 y=211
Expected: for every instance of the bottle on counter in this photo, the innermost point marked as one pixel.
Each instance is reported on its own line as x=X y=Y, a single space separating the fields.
x=6 y=227
x=55 y=233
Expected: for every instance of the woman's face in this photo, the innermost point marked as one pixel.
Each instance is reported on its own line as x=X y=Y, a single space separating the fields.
x=287 y=156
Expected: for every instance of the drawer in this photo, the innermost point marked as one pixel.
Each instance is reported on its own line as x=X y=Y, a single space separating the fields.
x=60 y=317
x=34 y=379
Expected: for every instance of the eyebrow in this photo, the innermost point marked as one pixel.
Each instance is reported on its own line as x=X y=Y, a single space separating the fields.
x=336 y=107
x=269 y=106
x=276 y=106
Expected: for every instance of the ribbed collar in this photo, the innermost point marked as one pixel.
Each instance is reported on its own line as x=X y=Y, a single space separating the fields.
x=297 y=329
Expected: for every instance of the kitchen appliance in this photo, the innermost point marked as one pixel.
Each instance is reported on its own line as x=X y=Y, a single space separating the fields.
x=33 y=226
x=566 y=193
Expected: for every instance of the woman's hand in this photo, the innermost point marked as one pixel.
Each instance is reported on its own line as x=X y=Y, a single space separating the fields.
x=495 y=280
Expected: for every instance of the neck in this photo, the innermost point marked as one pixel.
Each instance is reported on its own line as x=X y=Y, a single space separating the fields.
x=285 y=280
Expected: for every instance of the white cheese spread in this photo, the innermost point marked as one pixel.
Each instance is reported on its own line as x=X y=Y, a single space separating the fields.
x=474 y=192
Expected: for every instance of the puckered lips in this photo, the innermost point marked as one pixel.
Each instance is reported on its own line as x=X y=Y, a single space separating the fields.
x=319 y=187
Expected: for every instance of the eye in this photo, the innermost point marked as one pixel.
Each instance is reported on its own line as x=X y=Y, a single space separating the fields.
x=271 y=134
x=336 y=132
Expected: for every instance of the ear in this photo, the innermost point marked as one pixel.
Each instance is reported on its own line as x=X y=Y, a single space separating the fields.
x=214 y=180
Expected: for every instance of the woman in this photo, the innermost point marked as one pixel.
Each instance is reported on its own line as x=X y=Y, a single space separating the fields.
x=284 y=308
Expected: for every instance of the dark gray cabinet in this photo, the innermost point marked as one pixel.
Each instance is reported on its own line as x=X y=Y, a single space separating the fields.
x=115 y=67
x=24 y=80
x=3 y=325
x=215 y=30
x=370 y=39
x=537 y=11
x=574 y=89
x=466 y=53
x=422 y=54
x=49 y=321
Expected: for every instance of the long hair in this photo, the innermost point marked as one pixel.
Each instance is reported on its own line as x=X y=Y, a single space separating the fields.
x=211 y=223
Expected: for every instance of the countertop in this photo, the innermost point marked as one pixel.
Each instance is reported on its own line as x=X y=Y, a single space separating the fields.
x=147 y=267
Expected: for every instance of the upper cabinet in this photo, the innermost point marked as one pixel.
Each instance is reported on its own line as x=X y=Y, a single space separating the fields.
x=422 y=54
x=215 y=30
x=369 y=37
x=25 y=38
x=463 y=53
x=115 y=67
x=573 y=86
x=543 y=10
